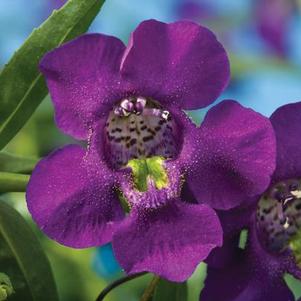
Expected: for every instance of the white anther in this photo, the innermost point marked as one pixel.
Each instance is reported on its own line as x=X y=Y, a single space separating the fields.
x=296 y=193
x=125 y=112
x=286 y=225
x=117 y=111
x=125 y=104
x=165 y=115
x=141 y=101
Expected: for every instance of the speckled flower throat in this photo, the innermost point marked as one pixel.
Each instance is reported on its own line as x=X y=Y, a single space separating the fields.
x=139 y=128
x=279 y=215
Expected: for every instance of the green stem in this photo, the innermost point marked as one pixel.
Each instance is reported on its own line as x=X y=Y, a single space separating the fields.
x=116 y=283
x=149 y=291
x=17 y=164
x=13 y=182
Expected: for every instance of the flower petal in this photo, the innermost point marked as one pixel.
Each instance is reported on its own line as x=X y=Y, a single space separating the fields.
x=272 y=20
x=83 y=77
x=255 y=275
x=242 y=282
x=181 y=62
x=287 y=125
x=224 y=255
x=233 y=221
x=169 y=241
x=235 y=158
x=73 y=205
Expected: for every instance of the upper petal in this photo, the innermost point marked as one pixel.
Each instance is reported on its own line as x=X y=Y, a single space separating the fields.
x=235 y=158
x=72 y=203
x=83 y=78
x=180 y=62
x=169 y=241
x=287 y=126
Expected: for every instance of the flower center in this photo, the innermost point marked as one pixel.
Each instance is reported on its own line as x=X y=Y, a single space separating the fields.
x=279 y=215
x=139 y=128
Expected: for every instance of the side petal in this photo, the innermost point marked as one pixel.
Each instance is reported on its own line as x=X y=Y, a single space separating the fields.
x=169 y=241
x=287 y=125
x=254 y=275
x=83 y=78
x=242 y=282
x=235 y=158
x=226 y=254
x=70 y=205
x=181 y=62
x=233 y=221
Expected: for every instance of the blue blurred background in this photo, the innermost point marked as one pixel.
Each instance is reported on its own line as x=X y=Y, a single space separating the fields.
x=263 y=40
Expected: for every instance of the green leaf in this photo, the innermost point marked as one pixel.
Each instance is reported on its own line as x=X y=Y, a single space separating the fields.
x=22 y=87
x=17 y=164
x=294 y=285
x=174 y=291
x=23 y=259
x=195 y=283
x=13 y=182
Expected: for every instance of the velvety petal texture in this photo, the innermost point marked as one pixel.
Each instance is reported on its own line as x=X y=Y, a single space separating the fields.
x=254 y=275
x=233 y=221
x=244 y=282
x=69 y=203
x=73 y=193
x=286 y=122
x=180 y=62
x=83 y=77
x=169 y=241
x=226 y=254
x=235 y=158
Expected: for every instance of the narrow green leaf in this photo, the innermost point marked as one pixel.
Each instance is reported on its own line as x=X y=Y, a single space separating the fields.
x=13 y=163
x=13 y=182
x=167 y=290
x=195 y=283
x=294 y=285
x=22 y=87
x=25 y=259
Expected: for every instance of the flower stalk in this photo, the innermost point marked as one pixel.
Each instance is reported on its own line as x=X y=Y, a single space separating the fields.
x=13 y=182
x=150 y=289
x=116 y=283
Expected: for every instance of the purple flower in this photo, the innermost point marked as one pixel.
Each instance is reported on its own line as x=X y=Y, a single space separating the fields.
x=193 y=10
x=273 y=221
x=272 y=18
x=56 y=4
x=127 y=103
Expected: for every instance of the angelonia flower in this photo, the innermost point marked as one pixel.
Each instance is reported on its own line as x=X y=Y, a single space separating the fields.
x=272 y=22
x=126 y=185
x=273 y=221
x=56 y=4
x=193 y=10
